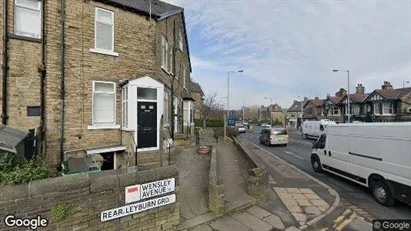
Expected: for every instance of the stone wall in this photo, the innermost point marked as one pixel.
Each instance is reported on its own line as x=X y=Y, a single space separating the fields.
x=215 y=187
x=257 y=182
x=87 y=196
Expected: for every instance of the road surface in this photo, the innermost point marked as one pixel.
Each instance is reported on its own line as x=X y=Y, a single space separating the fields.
x=298 y=153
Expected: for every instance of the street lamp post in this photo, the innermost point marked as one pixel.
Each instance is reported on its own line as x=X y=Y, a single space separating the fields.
x=302 y=110
x=348 y=96
x=404 y=82
x=228 y=91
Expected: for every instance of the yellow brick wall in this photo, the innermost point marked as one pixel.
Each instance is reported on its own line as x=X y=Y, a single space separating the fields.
x=137 y=40
x=23 y=77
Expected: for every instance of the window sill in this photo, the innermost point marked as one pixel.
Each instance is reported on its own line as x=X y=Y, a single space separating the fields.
x=127 y=129
x=104 y=52
x=385 y=114
x=97 y=127
x=25 y=38
x=167 y=72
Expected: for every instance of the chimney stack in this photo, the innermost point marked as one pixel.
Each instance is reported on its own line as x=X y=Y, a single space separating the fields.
x=295 y=101
x=316 y=97
x=360 y=89
x=305 y=99
x=341 y=92
x=387 y=86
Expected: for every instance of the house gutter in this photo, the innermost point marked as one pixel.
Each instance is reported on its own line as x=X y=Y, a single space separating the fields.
x=5 y=65
x=42 y=69
x=172 y=84
x=63 y=75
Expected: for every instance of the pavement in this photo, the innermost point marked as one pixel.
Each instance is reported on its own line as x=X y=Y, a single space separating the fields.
x=296 y=200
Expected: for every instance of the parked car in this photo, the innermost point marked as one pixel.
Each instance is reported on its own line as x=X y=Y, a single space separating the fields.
x=264 y=125
x=314 y=129
x=241 y=129
x=274 y=136
x=375 y=155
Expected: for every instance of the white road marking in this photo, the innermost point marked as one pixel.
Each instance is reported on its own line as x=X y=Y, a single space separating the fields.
x=297 y=156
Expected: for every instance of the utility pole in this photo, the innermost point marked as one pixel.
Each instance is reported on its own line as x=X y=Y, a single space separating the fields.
x=243 y=111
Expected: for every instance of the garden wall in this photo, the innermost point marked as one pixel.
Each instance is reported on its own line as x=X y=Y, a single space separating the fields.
x=77 y=202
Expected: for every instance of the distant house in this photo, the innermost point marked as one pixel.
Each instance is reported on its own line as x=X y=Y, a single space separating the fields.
x=198 y=95
x=294 y=113
x=313 y=109
x=388 y=104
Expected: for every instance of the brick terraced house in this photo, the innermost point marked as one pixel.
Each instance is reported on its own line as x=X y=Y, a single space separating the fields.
x=96 y=76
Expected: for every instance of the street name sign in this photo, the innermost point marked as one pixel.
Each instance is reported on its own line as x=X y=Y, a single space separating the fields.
x=137 y=208
x=138 y=192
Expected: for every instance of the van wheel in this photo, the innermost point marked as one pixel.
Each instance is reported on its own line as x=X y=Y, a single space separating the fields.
x=306 y=136
x=382 y=193
x=316 y=163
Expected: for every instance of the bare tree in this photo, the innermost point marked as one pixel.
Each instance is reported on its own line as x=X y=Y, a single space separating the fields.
x=212 y=108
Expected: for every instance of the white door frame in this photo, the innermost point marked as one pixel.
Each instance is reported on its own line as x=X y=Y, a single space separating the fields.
x=145 y=82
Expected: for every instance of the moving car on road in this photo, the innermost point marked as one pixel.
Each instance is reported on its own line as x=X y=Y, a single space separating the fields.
x=241 y=129
x=315 y=128
x=375 y=155
x=274 y=136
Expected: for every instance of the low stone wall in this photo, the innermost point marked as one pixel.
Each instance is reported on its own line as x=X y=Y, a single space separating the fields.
x=257 y=182
x=77 y=202
x=215 y=186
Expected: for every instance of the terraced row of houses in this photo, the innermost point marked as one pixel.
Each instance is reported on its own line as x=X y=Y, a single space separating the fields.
x=381 y=105
x=106 y=77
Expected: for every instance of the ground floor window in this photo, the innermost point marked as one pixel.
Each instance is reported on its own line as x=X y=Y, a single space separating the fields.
x=108 y=162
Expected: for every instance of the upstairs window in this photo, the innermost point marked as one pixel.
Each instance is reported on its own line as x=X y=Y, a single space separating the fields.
x=104 y=103
x=184 y=78
x=27 y=18
x=166 y=56
x=180 y=41
x=104 y=30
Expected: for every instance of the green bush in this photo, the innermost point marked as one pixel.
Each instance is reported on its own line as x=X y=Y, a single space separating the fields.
x=60 y=212
x=17 y=170
x=212 y=123
x=218 y=132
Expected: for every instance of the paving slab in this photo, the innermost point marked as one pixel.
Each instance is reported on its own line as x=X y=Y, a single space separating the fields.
x=252 y=222
x=312 y=210
x=228 y=224
x=292 y=228
x=258 y=212
x=275 y=221
x=196 y=221
x=202 y=228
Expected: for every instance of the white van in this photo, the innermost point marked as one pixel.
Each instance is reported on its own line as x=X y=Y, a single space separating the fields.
x=315 y=128
x=375 y=155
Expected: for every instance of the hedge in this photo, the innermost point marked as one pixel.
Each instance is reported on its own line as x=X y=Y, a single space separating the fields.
x=209 y=123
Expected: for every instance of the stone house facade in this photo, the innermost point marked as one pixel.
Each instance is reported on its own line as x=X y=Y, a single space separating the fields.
x=294 y=114
x=198 y=95
x=96 y=76
x=313 y=109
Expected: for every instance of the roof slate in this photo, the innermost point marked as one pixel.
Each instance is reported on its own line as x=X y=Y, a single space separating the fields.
x=158 y=8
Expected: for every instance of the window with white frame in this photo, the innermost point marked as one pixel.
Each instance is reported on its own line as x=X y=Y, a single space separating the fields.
x=335 y=110
x=166 y=108
x=355 y=109
x=186 y=113
x=171 y=59
x=184 y=78
x=377 y=109
x=164 y=53
x=180 y=41
x=388 y=108
x=27 y=18
x=175 y=105
x=104 y=30
x=104 y=103
x=124 y=103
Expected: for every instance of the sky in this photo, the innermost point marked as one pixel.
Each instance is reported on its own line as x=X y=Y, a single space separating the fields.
x=289 y=48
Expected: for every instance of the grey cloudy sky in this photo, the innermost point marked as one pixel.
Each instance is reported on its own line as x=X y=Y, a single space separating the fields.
x=289 y=48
